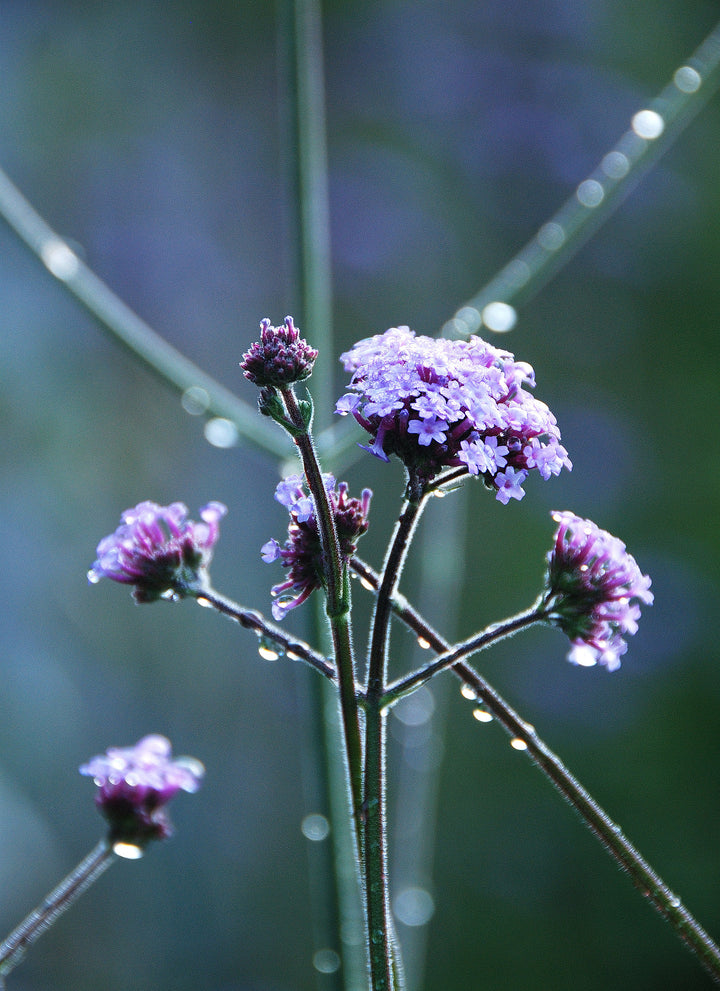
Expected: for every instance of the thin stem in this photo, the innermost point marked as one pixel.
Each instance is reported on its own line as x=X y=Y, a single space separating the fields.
x=597 y=198
x=338 y=598
x=452 y=655
x=52 y=907
x=126 y=326
x=250 y=619
x=645 y=879
x=384 y=953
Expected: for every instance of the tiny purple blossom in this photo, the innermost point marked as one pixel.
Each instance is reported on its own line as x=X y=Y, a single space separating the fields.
x=302 y=554
x=594 y=591
x=136 y=783
x=159 y=550
x=279 y=358
x=438 y=404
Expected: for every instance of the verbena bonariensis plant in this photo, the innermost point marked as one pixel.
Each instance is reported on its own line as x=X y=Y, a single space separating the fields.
x=449 y=410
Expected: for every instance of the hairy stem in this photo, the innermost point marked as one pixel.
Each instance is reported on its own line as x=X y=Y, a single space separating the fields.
x=384 y=953
x=338 y=599
x=645 y=879
x=52 y=907
x=250 y=619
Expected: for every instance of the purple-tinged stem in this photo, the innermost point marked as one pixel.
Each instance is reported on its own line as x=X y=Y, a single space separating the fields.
x=58 y=901
x=645 y=879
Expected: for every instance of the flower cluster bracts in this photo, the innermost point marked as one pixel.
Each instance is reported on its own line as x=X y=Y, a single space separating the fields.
x=438 y=404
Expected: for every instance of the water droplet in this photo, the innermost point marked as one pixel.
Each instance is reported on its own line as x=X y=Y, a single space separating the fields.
x=414 y=906
x=195 y=400
x=482 y=715
x=315 y=827
x=590 y=193
x=221 y=432
x=170 y=595
x=517 y=744
x=205 y=603
x=326 y=961
x=59 y=259
x=93 y=576
x=423 y=643
x=648 y=124
x=687 y=79
x=470 y=318
x=674 y=901
x=269 y=650
x=500 y=317
x=367 y=584
x=551 y=236
x=468 y=692
x=615 y=165
x=128 y=851
x=416 y=709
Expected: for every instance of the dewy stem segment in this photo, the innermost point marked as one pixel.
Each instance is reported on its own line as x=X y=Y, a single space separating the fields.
x=645 y=879
x=385 y=967
x=338 y=599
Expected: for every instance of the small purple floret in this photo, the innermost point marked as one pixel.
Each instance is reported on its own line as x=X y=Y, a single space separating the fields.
x=302 y=554
x=279 y=358
x=594 y=591
x=439 y=404
x=159 y=550
x=135 y=783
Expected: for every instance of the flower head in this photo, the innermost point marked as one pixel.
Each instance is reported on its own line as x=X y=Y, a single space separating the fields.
x=594 y=591
x=159 y=550
x=280 y=357
x=302 y=553
x=437 y=404
x=136 y=783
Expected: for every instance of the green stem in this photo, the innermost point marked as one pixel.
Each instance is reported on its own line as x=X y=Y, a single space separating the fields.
x=337 y=602
x=52 y=907
x=450 y=656
x=126 y=326
x=645 y=879
x=383 y=951
x=250 y=619
x=618 y=173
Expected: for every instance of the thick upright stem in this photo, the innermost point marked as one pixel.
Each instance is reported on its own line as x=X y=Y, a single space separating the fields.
x=384 y=953
x=338 y=600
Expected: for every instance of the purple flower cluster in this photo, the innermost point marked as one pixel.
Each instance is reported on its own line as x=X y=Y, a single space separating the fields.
x=302 y=553
x=437 y=404
x=158 y=549
x=279 y=358
x=134 y=785
x=594 y=591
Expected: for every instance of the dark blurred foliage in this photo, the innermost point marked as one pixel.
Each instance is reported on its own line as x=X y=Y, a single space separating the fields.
x=147 y=134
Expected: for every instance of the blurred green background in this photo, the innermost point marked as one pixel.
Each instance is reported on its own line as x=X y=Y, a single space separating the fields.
x=148 y=134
